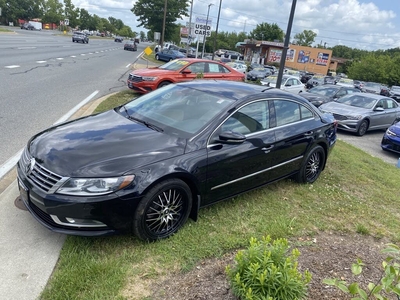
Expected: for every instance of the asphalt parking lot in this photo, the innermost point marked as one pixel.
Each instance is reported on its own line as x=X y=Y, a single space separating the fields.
x=370 y=143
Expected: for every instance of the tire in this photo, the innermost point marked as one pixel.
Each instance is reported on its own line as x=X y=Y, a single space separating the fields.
x=312 y=166
x=157 y=57
x=170 y=59
x=362 y=129
x=164 y=83
x=163 y=210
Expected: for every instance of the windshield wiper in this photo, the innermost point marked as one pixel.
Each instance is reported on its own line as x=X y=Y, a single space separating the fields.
x=147 y=124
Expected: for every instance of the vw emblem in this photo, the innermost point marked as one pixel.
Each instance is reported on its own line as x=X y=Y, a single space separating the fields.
x=30 y=166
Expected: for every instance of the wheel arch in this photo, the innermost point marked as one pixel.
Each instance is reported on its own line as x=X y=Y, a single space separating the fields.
x=193 y=185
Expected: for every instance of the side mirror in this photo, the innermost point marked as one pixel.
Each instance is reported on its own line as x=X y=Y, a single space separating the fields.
x=231 y=137
x=186 y=71
x=378 y=109
x=288 y=84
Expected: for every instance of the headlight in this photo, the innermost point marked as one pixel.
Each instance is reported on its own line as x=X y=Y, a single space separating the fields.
x=354 y=117
x=94 y=186
x=147 y=78
x=389 y=132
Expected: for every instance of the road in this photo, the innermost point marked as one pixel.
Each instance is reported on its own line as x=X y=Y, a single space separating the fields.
x=43 y=76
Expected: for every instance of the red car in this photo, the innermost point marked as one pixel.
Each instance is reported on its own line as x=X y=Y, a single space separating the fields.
x=178 y=70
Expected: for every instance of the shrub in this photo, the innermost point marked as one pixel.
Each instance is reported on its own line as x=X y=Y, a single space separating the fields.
x=388 y=284
x=266 y=271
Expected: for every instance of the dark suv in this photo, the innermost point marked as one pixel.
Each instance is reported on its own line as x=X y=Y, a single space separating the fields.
x=27 y=26
x=80 y=37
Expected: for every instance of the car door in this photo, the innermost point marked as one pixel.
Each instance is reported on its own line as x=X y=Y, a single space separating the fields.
x=237 y=167
x=293 y=85
x=217 y=71
x=196 y=69
x=295 y=126
x=391 y=111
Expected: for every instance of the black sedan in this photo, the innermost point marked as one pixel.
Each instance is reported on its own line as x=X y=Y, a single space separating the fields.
x=146 y=166
x=258 y=74
x=325 y=93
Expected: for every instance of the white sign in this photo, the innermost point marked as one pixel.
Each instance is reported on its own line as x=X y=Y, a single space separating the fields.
x=66 y=22
x=202 y=26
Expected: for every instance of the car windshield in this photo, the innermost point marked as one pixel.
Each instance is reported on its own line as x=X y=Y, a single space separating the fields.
x=174 y=65
x=272 y=79
x=260 y=70
x=176 y=110
x=321 y=90
x=346 y=81
x=358 y=101
x=395 y=88
x=373 y=85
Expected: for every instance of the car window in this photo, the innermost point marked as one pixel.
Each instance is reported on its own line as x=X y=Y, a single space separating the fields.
x=388 y=103
x=196 y=67
x=288 y=112
x=216 y=68
x=249 y=119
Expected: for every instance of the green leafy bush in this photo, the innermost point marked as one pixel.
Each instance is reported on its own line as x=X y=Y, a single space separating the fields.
x=266 y=271
x=389 y=283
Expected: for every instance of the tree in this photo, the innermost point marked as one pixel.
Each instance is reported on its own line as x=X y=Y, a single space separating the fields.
x=151 y=14
x=20 y=9
x=305 y=38
x=267 y=32
x=142 y=35
x=85 y=18
x=53 y=12
x=71 y=13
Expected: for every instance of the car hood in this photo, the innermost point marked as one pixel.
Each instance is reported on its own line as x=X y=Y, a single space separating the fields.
x=152 y=72
x=106 y=144
x=315 y=97
x=343 y=109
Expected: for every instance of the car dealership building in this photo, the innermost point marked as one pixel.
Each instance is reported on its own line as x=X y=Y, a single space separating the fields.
x=302 y=58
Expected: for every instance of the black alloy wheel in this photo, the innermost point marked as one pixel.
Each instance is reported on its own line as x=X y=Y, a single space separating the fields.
x=163 y=210
x=164 y=83
x=312 y=166
x=362 y=129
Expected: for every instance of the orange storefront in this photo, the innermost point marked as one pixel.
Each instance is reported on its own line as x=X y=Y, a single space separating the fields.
x=301 y=58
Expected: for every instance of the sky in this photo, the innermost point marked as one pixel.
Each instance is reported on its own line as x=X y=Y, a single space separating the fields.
x=362 y=24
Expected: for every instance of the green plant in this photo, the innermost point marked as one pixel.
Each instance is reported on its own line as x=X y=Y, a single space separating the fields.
x=199 y=75
x=266 y=271
x=388 y=284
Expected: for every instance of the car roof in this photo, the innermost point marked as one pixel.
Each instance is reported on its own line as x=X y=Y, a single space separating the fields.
x=236 y=90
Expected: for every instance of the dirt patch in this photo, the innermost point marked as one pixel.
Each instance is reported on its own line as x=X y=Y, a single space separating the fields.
x=325 y=256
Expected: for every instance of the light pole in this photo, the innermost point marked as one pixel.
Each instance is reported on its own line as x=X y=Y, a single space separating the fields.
x=216 y=30
x=163 y=27
x=190 y=29
x=205 y=31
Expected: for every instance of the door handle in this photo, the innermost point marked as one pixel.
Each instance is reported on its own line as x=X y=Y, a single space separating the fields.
x=267 y=148
x=308 y=133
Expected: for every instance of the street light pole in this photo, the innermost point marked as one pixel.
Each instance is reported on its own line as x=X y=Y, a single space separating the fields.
x=216 y=31
x=205 y=31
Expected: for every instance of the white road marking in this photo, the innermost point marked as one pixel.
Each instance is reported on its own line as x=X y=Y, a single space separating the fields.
x=73 y=56
x=83 y=54
x=12 y=66
x=41 y=61
x=11 y=162
x=127 y=66
x=59 y=58
x=90 y=53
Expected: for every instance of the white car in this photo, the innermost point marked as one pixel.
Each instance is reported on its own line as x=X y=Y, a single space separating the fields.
x=289 y=83
x=242 y=68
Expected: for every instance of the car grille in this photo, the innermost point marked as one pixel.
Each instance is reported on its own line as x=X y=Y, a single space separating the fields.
x=135 y=78
x=38 y=175
x=339 y=117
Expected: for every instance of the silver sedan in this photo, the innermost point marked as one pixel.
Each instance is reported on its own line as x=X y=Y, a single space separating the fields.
x=362 y=112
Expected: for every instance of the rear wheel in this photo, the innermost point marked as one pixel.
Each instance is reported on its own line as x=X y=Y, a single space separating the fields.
x=157 y=57
x=362 y=129
x=312 y=166
x=163 y=210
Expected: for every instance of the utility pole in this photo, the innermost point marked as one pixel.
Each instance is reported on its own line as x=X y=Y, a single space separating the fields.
x=205 y=31
x=190 y=28
x=216 y=30
x=163 y=26
x=285 y=46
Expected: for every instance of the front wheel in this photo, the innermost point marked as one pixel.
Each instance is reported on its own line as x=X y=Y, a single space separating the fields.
x=362 y=129
x=163 y=210
x=157 y=57
x=312 y=166
x=164 y=83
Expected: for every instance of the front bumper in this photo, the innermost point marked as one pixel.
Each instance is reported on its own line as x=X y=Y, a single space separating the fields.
x=83 y=216
x=390 y=144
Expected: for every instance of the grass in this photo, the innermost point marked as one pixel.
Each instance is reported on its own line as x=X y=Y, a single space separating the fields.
x=356 y=193
x=5 y=30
